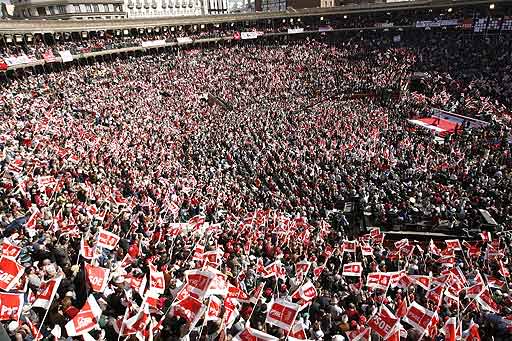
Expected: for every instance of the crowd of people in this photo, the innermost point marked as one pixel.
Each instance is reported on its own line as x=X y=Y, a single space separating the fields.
x=187 y=196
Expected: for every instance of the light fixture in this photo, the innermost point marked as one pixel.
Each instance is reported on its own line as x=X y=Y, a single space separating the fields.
x=450 y=10
x=298 y=20
x=491 y=6
x=345 y=16
x=321 y=18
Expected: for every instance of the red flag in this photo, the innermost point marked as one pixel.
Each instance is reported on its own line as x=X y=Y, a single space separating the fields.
x=282 y=314
x=107 y=240
x=359 y=335
x=97 y=277
x=189 y=309
x=503 y=270
x=383 y=323
x=156 y=279
x=494 y=282
x=473 y=333
x=86 y=319
x=349 y=246
x=49 y=289
x=249 y=334
x=10 y=306
x=486 y=236
x=453 y=244
x=10 y=273
x=85 y=250
x=318 y=271
x=306 y=292
x=214 y=309
x=401 y=310
x=379 y=280
x=10 y=250
x=433 y=249
x=451 y=329
x=256 y=293
x=486 y=302
x=237 y=293
x=298 y=331
x=422 y=281
x=352 y=269
x=419 y=317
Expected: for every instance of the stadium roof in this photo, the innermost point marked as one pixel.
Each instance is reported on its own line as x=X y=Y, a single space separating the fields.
x=43 y=26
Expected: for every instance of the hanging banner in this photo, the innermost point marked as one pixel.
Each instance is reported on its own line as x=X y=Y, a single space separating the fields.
x=184 y=40
x=66 y=56
x=248 y=35
x=295 y=30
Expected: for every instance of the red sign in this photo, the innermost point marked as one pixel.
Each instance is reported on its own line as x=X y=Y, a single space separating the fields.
x=108 y=240
x=10 y=273
x=97 y=277
x=352 y=269
x=10 y=250
x=10 y=306
x=383 y=323
x=282 y=314
x=379 y=280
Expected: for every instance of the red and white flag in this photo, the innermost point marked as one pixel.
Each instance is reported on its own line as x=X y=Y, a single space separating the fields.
x=422 y=281
x=453 y=244
x=298 y=331
x=10 y=250
x=214 y=309
x=107 y=240
x=237 y=294
x=256 y=293
x=302 y=268
x=433 y=249
x=10 y=306
x=383 y=323
x=352 y=269
x=97 y=277
x=198 y=253
x=86 y=250
x=318 y=271
x=49 y=289
x=250 y=334
x=86 y=319
x=401 y=243
x=306 y=292
x=282 y=314
x=378 y=280
x=10 y=273
x=199 y=281
x=219 y=282
x=419 y=317
x=349 y=246
x=486 y=236
x=156 y=280
x=486 y=302
x=367 y=250
x=360 y=335
x=189 y=309
x=451 y=329
x=503 y=270
x=472 y=333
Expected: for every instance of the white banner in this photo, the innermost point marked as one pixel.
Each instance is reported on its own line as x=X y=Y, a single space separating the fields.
x=66 y=56
x=184 y=40
x=153 y=43
x=249 y=35
x=295 y=30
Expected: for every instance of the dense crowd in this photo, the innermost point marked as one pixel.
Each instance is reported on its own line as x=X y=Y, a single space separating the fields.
x=189 y=196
